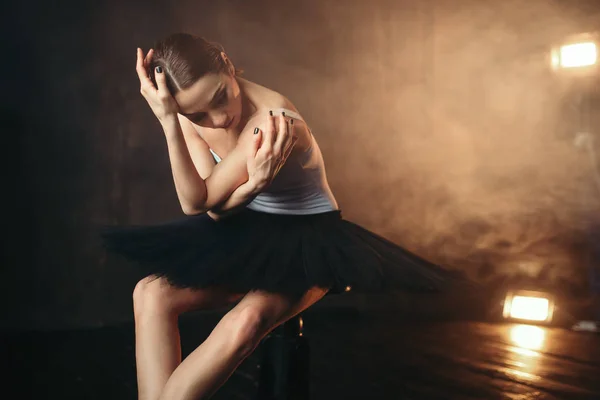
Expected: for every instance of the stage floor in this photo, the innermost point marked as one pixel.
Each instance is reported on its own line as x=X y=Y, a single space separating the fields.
x=355 y=357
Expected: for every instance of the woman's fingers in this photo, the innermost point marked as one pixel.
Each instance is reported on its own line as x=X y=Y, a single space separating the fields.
x=148 y=58
x=145 y=81
x=161 y=81
x=285 y=155
x=265 y=160
x=269 y=133
x=288 y=145
x=256 y=141
x=147 y=61
x=291 y=138
x=158 y=96
x=251 y=155
x=289 y=148
x=282 y=134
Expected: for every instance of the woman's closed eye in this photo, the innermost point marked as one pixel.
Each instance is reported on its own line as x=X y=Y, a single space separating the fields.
x=221 y=99
x=198 y=117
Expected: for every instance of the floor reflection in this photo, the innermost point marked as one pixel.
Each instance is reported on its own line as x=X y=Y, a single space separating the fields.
x=524 y=355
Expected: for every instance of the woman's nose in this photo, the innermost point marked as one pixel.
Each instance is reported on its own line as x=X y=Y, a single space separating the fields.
x=218 y=119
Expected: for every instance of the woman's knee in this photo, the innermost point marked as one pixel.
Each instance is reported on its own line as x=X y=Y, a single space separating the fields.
x=248 y=326
x=151 y=294
x=156 y=295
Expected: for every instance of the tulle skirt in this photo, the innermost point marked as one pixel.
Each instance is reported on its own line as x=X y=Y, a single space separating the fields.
x=277 y=253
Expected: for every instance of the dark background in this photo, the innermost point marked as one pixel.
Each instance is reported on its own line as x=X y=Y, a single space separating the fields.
x=442 y=126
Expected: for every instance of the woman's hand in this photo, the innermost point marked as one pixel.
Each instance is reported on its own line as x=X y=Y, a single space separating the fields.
x=269 y=151
x=159 y=98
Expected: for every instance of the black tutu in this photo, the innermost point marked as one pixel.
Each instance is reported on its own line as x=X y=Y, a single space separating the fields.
x=276 y=253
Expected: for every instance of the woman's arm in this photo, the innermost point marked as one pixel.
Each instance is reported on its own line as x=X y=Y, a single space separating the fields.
x=260 y=171
x=197 y=195
x=237 y=201
x=258 y=156
x=205 y=162
x=262 y=154
x=189 y=185
x=217 y=182
x=199 y=151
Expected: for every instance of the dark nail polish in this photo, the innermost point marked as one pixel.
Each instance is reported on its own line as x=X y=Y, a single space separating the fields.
x=255 y=131
x=270 y=113
x=291 y=122
x=159 y=69
x=283 y=113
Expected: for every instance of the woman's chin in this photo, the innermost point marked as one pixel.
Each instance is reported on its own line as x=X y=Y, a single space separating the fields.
x=235 y=123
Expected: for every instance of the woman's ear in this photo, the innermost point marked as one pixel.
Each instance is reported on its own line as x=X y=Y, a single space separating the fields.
x=228 y=63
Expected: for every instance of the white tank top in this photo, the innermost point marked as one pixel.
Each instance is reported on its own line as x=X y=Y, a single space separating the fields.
x=300 y=187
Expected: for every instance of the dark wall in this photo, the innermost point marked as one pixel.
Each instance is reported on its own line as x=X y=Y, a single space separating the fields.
x=434 y=121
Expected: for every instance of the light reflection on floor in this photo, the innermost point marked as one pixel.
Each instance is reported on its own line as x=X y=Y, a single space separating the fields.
x=373 y=359
x=527 y=340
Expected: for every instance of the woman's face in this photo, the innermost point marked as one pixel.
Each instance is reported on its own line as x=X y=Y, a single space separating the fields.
x=213 y=101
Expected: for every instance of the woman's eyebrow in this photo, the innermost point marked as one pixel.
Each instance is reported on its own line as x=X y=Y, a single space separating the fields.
x=217 y=92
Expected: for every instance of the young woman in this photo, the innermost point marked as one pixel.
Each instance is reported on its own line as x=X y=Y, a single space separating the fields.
x=262 y=230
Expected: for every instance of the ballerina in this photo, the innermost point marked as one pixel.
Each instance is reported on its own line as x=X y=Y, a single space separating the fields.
x=262 y=232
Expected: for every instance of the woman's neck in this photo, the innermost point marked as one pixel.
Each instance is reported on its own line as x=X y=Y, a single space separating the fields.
x=248 y=106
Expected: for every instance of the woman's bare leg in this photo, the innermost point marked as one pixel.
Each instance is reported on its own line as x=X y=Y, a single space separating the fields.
x=232 y=340
x=157 y=306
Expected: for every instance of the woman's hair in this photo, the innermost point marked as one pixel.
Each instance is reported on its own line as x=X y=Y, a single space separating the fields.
x=186 y=58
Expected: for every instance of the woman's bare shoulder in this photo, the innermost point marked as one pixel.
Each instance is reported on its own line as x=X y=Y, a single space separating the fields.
x=266 y=99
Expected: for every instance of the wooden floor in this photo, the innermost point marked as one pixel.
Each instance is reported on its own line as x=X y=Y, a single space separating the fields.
x=353 y=356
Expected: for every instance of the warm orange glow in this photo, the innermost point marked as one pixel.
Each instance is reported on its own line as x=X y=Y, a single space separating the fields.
x=523 y=360
x=529 y=306
x=576 y=55
x=528 y=338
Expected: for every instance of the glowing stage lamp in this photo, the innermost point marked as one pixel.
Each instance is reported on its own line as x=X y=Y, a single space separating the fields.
x=528 y=306
x=575 y=55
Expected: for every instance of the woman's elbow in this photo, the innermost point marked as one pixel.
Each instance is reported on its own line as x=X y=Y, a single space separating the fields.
x=189 y=212
x=213 y=215
x=192 y=210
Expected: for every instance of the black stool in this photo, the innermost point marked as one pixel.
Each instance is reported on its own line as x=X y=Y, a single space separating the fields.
x=285 y=361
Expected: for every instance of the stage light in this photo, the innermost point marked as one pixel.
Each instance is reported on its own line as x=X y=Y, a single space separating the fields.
x=531 y=308
x=528 y=306
x=575 y=55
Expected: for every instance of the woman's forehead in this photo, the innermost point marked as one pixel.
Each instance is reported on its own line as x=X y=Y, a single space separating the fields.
x=198 y=96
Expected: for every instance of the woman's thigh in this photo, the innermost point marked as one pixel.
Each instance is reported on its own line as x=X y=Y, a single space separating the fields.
x=274 y=309
x=158 y=292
